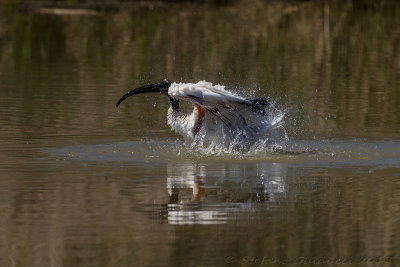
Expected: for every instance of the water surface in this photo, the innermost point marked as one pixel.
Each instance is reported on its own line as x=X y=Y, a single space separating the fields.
x=83 y=183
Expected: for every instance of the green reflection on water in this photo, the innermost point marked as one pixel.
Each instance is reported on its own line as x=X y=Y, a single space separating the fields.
x=334 y=67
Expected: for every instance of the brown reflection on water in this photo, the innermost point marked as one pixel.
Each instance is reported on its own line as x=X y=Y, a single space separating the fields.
x=107 y=216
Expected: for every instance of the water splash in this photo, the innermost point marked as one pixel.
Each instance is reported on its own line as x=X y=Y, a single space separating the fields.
x=311 y=153
x=264 y=133
x=223 y=122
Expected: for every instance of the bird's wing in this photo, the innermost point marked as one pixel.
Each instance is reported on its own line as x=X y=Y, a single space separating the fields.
x=233 y=110
x=203 y=92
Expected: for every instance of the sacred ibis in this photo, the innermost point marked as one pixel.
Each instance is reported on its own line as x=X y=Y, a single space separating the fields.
x=214 y=108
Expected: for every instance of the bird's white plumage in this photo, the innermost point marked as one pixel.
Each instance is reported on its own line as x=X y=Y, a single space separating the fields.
x=227 y=116
x=182 y=123
x=220 y=118
x=203 y=92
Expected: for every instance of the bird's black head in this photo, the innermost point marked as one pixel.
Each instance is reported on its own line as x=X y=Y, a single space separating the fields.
x=161 y=87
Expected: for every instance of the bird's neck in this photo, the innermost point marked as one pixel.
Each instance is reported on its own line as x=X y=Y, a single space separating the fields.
x=199 y=112
x=173 y=103
x=186 y=124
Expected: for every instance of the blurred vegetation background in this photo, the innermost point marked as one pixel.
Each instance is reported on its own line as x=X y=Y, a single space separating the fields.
x=335 y=65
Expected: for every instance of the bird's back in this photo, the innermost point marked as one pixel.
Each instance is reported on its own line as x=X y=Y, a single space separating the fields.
x=240 y=118
x=205 y=93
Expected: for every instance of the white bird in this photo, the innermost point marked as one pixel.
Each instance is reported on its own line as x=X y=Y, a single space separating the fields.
x=214 y=108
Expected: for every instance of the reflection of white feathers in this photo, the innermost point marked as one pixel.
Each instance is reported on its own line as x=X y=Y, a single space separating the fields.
x=219 y=113
x=185 y=185
x=194 y=198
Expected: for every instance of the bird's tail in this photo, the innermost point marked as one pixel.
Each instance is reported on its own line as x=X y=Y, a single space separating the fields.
x=258 y=105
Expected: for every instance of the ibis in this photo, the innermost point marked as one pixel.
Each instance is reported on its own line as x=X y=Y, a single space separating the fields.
x=213 y=108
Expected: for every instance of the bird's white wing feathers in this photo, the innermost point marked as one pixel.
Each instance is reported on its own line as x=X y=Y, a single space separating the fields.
x=231 y=109
x=203 y=93
x=246 y=120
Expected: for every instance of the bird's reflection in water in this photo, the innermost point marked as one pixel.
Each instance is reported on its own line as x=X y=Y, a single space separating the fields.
x=213 y=194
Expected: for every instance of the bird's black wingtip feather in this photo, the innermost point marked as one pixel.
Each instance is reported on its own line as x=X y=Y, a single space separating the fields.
x=258 y=105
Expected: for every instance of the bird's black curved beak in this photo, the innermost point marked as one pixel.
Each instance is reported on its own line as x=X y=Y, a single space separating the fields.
x=161 y=87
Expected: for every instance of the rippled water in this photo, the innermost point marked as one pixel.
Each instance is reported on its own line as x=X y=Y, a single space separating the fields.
x=83 y=183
